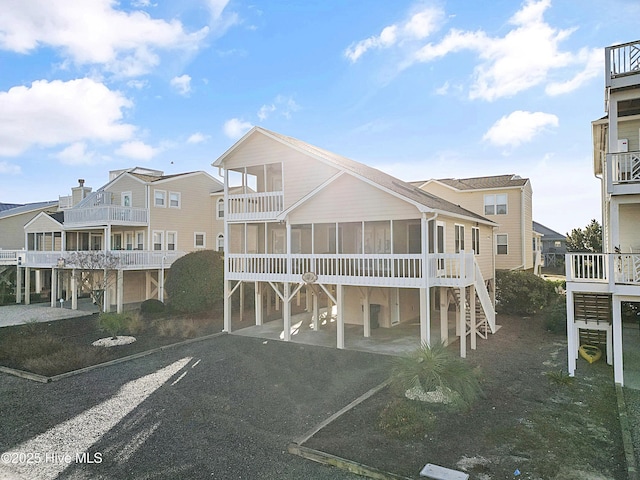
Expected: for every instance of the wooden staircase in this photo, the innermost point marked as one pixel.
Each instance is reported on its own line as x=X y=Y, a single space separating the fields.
x=482 y=324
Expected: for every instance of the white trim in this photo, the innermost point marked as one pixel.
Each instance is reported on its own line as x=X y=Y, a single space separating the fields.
x=475 y=229
x=195 y=240
x=164 y=198
x=220 y=248
x=123 y=195
x=460 y=245
x=175 y=240
x=506 y=244
x=220 y=201
x=153 y=240
x=179 y=200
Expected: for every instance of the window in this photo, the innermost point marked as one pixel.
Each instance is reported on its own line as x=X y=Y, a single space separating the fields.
x=220 y=242
x=557 y=244
x=501 y=244
x=220 y=208
x=174 y=199
x=200 y=240
x=126 y=199
x=459 y=238
x=116 y=241
x=160 y=198
x=158 y=240
x=495 y=204
x=96 y=241
x=172 y=240
x=475 y=240
x=128 y=240
x=140 y=240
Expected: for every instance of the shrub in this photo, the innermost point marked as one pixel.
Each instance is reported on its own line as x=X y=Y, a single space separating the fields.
x=112 y=323
x=134 y=323
x=195 y=282
x=152 y=306
x=406 y=419
x=555 y=316
x=522 y=293
x=434 y=369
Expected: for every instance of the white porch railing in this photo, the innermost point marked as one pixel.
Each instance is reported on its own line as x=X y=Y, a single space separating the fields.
x=254 y=206
x=623 y=59
x=625 y=167
x=617 y=268
x=125 y=259
x=65 y=202
x=356 y=269
x=106 y=214
x=10 y=257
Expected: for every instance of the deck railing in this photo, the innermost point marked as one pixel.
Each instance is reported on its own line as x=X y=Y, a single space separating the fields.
x=618 y=268
x=124 y=259
x=623 y=59
x=356 y=269
x=254 y=206
x=106 y=214
x=10 y=257
x=625 y=167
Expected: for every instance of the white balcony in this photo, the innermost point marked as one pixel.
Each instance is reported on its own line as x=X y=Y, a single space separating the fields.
x=11 y=257
x=406 y=270
x=254 y=206
x=603 y=268
x=122 y=259
x=106 y=215
x=622 y=65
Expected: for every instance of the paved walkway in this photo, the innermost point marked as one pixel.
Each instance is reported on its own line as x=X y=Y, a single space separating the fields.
x=42 y=312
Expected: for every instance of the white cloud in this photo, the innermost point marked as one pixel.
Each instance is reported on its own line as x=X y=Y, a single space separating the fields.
x=235 y=128
x=443 y=89
x=594 y=65
x=9 y=168
x=93 y=33
x=182 y=84
x=137 y=84
x=265 y=110
x=519 y=127
x=57 y=112
x=137 y=150
x=76 y=154
x=418 y=26
x=220 y=20
x=197 y=138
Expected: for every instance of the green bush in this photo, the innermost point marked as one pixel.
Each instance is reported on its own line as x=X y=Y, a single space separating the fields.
x=435 y=369
x=152 y=306
x=406 y=419
x=195 y=282
x=112 y=323
x=555 y=316
x=522 y=293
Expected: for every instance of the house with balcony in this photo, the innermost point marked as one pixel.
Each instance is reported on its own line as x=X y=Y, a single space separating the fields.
x=139 y=222
x=301 y=221
x=553 y=246
x=600 y=284
x=505 y=199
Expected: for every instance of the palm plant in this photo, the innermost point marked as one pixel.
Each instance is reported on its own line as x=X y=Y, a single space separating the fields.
x=434 y=370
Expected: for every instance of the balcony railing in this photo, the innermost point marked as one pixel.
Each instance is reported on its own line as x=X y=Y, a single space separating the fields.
x=622 y=60
x=617 y=268
x=106 y=214
x=122 y=259
x=255 y=206
x=11 y=257
x=625 y=167
x=356 y=269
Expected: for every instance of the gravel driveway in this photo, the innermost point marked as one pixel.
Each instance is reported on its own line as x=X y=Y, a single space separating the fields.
x=223 y=408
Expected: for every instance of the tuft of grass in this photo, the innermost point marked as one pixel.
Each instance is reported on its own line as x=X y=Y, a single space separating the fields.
x=559 y=377
x=135 y=324
x=406 y=419
x=68 y=358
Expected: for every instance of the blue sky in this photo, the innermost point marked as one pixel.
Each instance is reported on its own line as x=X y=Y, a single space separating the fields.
x=420 y=90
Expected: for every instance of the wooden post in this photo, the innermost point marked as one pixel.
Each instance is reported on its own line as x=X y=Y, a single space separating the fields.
x=618 y=370
x=444 y=316
x=258 y=302
x=119 y=290
x=74 y=290
x=462 y=324
x=472 y=310
x=425 y=327
x=367 y=313
x=340 y=315
x=227 y=306
x=286 y=312
x=27 y=286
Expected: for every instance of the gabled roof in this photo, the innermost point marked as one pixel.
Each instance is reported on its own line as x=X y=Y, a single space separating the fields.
x=547 y=232
x=29 y=207
x=7 y=206
x=373 y=175
x=481 y=183
x=56 y=217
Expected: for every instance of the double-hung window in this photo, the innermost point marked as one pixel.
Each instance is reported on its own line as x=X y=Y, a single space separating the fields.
x=174 y=199
x=495 y=204
x=475 y=240
x=502 y=244
x=160 y=198
x=459 y=238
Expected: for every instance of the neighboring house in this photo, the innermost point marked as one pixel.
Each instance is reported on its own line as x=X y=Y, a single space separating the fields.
x=505 y=200
x=13 y=220
x=554 y=245
x=303 y=220
x=598 y=284
x=141 y=219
